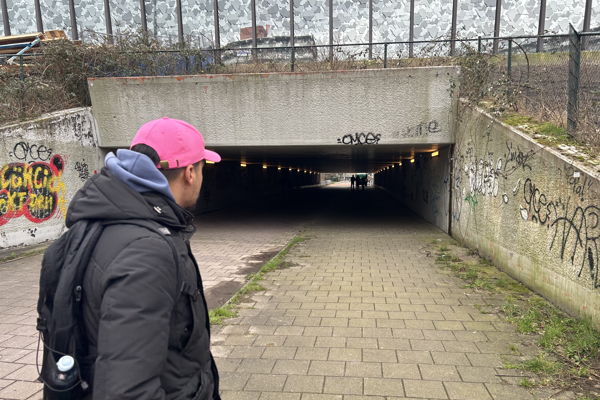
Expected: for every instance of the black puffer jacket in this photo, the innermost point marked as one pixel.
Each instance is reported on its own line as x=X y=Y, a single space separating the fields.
x=146 y=319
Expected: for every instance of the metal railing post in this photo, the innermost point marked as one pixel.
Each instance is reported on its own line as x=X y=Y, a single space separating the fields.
x=411 y=29
x=330 y=2
x=453 y=27
x=143 y=17
x=385 y=47
x=479 y=44
x=5 y=19
x=108 y=21
x=217 y=31
x=73 y=15
x=292 y=35
x=541 y=26
x=21 y=68
x=497 y=25
x=180 y=23
x=587 y=18
x=573 y=83
x=509 y=59
x=370 y=29
x=254 y=35
x=38 y=16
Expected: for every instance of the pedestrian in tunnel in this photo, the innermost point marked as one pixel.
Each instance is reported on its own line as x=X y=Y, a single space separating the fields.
x=144 y=313
x=352 y=182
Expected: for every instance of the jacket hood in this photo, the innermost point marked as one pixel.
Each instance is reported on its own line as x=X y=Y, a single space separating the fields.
x=137 y=171
x=106 y=197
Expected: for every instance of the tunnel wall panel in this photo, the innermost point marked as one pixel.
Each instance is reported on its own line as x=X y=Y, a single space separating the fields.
x=531 y=210
x=422 y=186
x=42 y=164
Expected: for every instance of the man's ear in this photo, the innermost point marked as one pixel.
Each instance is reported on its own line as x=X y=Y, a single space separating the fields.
x=188 y=174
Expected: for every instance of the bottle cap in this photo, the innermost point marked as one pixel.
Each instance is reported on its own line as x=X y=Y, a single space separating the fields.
x=65 y=363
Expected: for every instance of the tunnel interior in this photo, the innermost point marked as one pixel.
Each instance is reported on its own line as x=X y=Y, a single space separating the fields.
x=414 y=177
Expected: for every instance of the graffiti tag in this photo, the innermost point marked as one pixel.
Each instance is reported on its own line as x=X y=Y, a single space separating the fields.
x=360 y=138
x=24 y=151
x=83 y=170
x=31 y=190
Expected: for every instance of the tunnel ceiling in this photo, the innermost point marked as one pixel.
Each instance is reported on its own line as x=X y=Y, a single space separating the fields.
x=336 y=158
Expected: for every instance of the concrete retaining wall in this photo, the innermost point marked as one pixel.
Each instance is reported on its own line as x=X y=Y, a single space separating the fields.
x=529 y=209
x=42 y=164
x=422 y=186
x=386 y=106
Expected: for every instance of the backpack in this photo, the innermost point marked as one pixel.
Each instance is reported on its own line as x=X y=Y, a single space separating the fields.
x=60 y=314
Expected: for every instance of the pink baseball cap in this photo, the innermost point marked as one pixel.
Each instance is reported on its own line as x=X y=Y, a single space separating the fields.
x=177 y=143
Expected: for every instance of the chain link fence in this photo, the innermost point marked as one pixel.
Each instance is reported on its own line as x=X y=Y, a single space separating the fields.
x=527 y=75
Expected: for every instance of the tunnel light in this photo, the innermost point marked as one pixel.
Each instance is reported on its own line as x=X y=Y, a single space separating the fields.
x=278 y=168
x=289 y=169
x=264 y=166
x=435 y=154
x=400 y=164
x=412 y=160
x=298 y=169
x=393 y=166
x=243 y=165
x=210 y=162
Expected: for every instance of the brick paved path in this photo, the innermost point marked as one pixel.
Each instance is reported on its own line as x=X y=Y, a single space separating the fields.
x=365 y=314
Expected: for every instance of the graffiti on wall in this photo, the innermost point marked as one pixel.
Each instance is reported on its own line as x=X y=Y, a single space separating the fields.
x=32 y=190
x=570 y=217
x=83 y=170
x=360 y=138
x=422 y=129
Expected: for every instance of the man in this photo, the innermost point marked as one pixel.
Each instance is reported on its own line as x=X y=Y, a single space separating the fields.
x=145 y=315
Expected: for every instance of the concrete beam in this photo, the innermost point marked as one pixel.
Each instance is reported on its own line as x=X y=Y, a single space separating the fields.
x=369 y=107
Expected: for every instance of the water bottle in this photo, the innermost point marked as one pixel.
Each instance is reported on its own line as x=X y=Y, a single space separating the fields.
x=63 y=381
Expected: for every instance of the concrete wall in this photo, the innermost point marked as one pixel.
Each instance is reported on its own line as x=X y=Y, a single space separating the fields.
x=396 y=106
x=423 y=186
x=42 y=164
x=529 y=209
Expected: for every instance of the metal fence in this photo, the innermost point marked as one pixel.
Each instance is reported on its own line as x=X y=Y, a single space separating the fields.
x=553 y=78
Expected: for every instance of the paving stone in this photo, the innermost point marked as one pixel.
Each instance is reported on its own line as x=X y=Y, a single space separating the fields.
x=345 y=354
x=311 y=353
x=330 y=368
x=406 y=371
x=298 y=367
x=310 y=396
x=383 y=387
x=478 y=374
x=304 y=384
x=279 y=396
x=449 y=358
x=508 y=392
x=467 y=391
x=238 y=395
x=424 y=389
x=20 y=390
x=439 y=372
x=377 y=355
x=343 y=385
x=265 y=382
x=278 y=353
